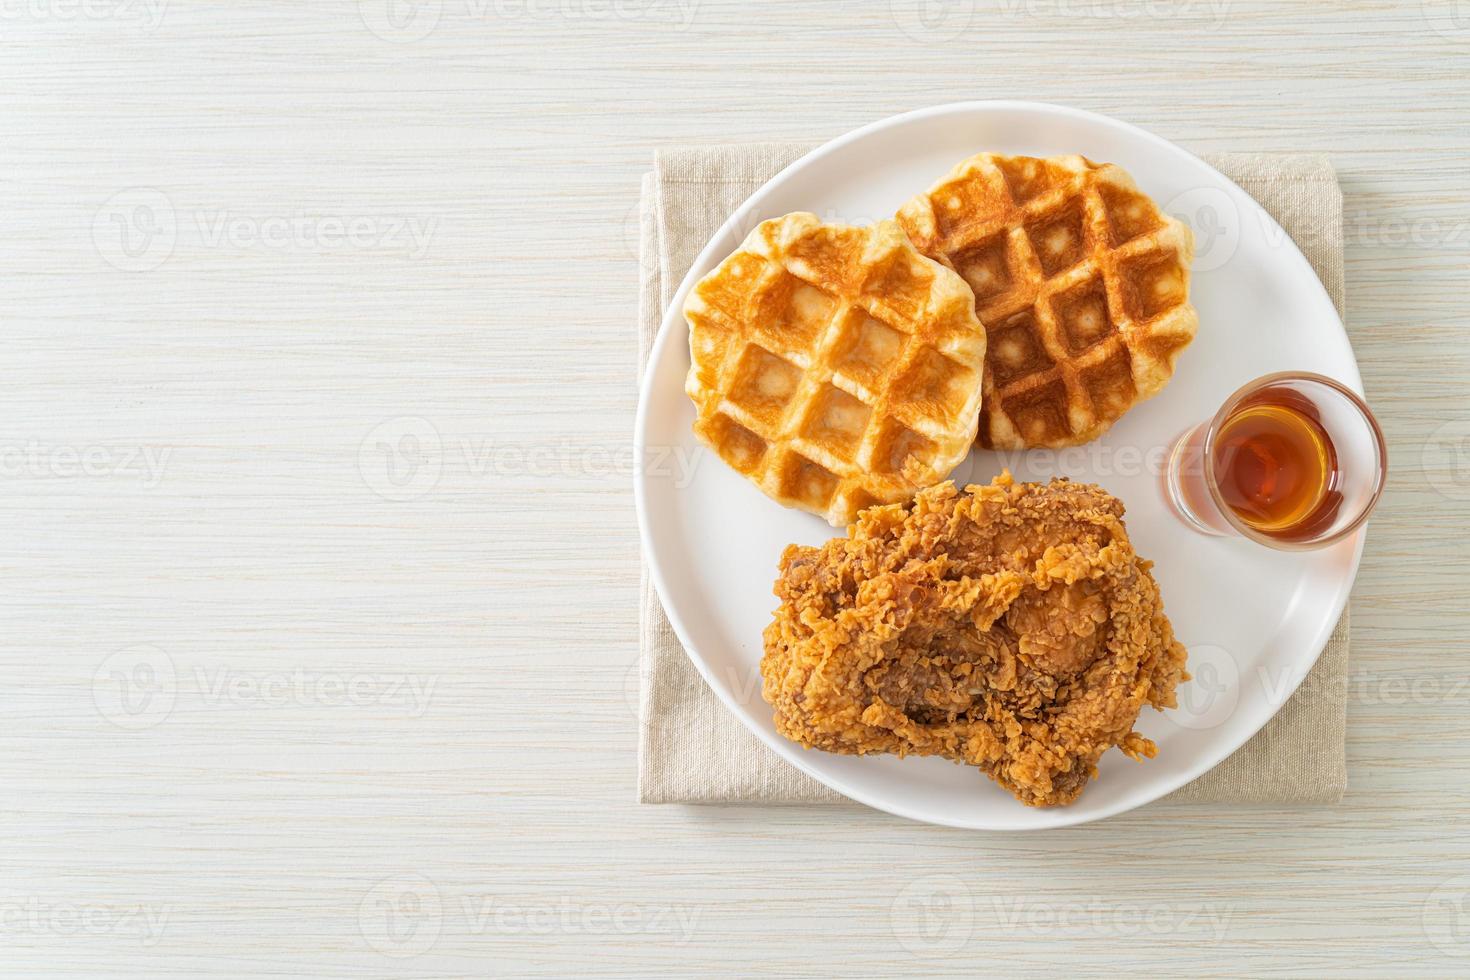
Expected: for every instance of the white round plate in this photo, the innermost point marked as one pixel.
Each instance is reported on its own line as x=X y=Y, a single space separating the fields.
x=1253 y=619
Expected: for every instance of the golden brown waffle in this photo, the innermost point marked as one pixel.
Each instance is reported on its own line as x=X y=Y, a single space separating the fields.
x=833 y=366
x=1081 y=282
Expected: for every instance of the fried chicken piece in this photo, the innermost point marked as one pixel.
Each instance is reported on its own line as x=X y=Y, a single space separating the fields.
x=1010 y=627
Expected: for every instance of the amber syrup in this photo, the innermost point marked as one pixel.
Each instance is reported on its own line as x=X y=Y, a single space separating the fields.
x=1275 y=465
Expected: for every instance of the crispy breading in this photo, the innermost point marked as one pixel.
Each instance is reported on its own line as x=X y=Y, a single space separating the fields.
x=1010 y=627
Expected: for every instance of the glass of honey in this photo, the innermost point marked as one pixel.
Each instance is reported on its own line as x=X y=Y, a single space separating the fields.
x=1292 y=460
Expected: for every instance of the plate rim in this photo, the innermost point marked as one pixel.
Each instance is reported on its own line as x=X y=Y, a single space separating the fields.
x=673 y=312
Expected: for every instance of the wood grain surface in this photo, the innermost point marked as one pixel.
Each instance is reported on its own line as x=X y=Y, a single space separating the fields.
x=319 y=569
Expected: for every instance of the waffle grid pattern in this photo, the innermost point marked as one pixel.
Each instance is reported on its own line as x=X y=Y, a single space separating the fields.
x=1082 y=284
x=835 y=367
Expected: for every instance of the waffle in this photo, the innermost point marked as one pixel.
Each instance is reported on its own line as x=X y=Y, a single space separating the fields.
x=1081 y=282
x=833 y=366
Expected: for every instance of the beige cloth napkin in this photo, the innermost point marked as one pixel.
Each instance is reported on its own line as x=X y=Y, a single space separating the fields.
x=691 y=750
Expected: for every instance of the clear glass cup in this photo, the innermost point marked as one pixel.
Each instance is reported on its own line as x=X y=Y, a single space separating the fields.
x=1192 y=479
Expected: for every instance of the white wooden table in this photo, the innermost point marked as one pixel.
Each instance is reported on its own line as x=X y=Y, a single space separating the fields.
x=318 y=567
